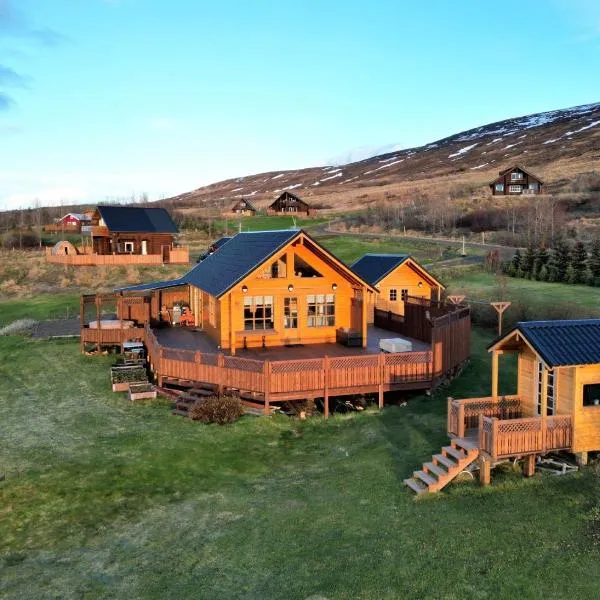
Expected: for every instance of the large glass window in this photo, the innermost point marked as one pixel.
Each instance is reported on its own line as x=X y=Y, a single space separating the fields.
x=258 y=313
x=514 y=189
x=321 y=310
x=290 y=313
x=591 y=394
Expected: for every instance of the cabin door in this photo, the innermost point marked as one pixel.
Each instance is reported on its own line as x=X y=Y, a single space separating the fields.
x=539 y=382
x=144 y=247
x=165 y=254
x=290 y=318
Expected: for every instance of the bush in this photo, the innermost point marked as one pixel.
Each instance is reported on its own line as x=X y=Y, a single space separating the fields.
x=217 y=409
x=26 y=239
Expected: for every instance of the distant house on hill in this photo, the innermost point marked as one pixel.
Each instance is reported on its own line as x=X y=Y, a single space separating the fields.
x=288 y=203
x=243 y=207
x=516 y=181
x=125 y=235
x=71 y=222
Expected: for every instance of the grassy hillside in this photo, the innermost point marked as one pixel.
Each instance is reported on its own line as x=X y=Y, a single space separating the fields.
x=104 y=498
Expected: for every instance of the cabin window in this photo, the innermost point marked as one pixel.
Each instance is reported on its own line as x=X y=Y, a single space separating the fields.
x=290 y=313
x=321 y=310
x=516 y=176
x=393 y=295
x=258 y=313
x=128 y=247
x=550 y=404
x=499 y=187
x=404 y=295
x=591 y=394
x=514 y=188
x=533 y=186
x=303 y=269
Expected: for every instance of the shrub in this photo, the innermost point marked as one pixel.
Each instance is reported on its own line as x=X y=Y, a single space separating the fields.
x=217 y=409
x=25 y=239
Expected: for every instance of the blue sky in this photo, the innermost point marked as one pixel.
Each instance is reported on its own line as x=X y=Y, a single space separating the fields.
x=108 y=98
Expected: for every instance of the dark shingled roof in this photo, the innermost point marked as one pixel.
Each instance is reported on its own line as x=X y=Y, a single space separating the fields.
x=137 y=219
x=218 y=243
x=563 y=343
x=243 y=253
x=374 y=267
x=154 y=285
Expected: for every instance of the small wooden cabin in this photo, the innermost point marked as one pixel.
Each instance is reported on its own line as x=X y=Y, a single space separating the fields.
x=288 y=203
x=243 y=207
x=269 y=288
x=127 y=235
x=516 y=181
x=69 y=223
x=556 y=407
x=395 y=277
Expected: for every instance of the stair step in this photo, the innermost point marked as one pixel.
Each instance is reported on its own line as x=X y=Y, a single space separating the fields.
x=181 y=413
x=415 y=486
x=454 y=452
x=431 y=467
x=464 y=444
x=425 y=478
x=444 y=460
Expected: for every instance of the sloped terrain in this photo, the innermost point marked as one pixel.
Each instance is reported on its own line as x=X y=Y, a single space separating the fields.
x=555 y=145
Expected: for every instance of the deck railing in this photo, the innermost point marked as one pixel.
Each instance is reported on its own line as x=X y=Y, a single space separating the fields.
x=515 y=437
x=293 y=379
x=464 y=414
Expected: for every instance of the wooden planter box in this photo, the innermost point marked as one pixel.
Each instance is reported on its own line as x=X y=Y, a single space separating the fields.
x=141 y=391
x=133 y=372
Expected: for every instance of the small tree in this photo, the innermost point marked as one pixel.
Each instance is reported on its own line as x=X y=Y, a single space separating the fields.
x=561 y=259
x=516 y=261
x=528 y=261
x=579 y=263
x=594 y=261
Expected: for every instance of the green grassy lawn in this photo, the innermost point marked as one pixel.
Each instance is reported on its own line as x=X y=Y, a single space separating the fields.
x=41 y=307
x=263 y=222
x=349 y=248
x=531 y=299
x=108 y=499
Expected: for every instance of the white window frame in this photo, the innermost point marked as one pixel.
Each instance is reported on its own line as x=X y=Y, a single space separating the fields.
x=499 y=187
x=128 y=247
x=550 y=391
x=393 y=295
x=515 y=176
x=516 y=189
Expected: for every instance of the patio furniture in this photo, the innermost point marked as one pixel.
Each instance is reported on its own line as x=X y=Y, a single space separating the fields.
x=348 y=337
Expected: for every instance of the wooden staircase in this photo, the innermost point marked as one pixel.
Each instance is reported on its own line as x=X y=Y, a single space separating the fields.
x=444 y=467
x=187 y=399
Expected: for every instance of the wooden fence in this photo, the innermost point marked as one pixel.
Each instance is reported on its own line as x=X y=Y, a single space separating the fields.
x=294 y=379
x=515 y=437
x=464 y=414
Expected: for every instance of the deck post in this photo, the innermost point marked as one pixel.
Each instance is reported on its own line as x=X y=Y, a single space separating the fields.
x=529 y=465
x=381 y=363
x=485 y=469
x=494 y=438
x=494 y=373
x=81 y=322
x=364 y=317
x=480 y=432
x=326 y=387
x=267 y=375
x=98 y=324
x=461 y=420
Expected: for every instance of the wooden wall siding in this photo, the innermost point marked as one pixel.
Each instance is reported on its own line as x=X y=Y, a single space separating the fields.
x=294 y=379
x=524 y=182
x=110 y=337
x=587 y=418
x=451 y=340
x=90 y=260
x=526 y=381
x=171 y=296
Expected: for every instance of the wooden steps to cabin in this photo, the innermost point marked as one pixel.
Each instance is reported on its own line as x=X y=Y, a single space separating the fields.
x=186 y=399
x=444 y=467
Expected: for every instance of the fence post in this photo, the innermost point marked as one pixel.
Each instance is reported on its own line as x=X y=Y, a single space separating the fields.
x=221 y=373
x=381 y=369
x=326 y=387
x=494 y=438
x=461 y=420
x=480 y=432
x=267 y=376
x=449 y=425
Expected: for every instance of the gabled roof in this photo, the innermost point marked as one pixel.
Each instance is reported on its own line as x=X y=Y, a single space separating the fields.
x=375 y=267
x=560 y=343
x=137 y=219
x=239 y=257
x=246 y=202
x=78 y=216
x=288 y=193
x=512 y=168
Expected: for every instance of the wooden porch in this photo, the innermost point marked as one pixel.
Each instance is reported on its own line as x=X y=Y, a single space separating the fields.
x=84 y=256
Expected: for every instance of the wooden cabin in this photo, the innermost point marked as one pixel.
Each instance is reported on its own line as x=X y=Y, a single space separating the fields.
x=516 y=181
x=556 y=407
x=268 y=288
x=288 y=203
x=120 y=235
x=243 y=207
x=395 y=277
